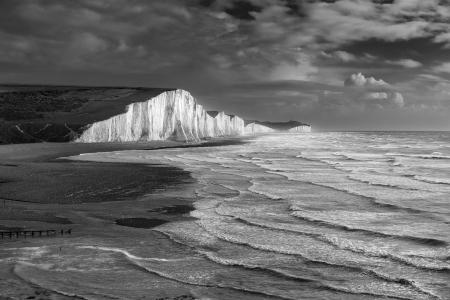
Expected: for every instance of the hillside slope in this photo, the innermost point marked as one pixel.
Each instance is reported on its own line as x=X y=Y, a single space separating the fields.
x=59 y=113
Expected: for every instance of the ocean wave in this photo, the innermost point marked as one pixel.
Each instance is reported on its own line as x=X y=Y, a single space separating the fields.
x=433 y=180
x=312 y=283
x=127 y=253
x=376 y=289
x=425 y=263
x=331 y=262
x=413 y=182
x=188 y=280
x=434 y=155
x=379 y=201
x=421 y=240
x=282 y=274
x=375 y=201
x=382 y=184
x=22 y=265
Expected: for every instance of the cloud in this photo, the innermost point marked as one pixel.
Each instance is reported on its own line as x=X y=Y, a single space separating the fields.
x=347 y=21
x=377 y=96
x=301 y=68
x=339 y=55
x=442 y=68
x=385 y=98
x=359 y=80
x=406 y=63
x=371 y=91
x=398 y=99
x=443 y=38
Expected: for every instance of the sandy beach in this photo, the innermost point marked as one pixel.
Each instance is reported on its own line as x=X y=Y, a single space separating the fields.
x=92 y=200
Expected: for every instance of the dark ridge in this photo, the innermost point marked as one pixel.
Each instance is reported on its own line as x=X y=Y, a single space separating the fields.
x=13 y=133
x=278 y=125
x=140 y=222
x=38 y=113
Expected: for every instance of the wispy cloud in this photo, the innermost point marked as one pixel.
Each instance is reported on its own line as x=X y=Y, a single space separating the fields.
x=442 y=68
x=406 y=63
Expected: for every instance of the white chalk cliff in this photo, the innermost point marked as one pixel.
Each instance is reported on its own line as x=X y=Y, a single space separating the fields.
x=172 y=115
x=253 y=128
x=302 y=128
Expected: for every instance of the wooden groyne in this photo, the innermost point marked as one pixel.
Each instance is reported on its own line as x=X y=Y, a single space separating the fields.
x=33 y=233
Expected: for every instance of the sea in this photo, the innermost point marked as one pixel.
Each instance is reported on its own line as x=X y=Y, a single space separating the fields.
x=325 y=215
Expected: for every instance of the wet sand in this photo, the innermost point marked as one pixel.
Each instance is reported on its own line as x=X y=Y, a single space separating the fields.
x=34 y=182
x=96 y=200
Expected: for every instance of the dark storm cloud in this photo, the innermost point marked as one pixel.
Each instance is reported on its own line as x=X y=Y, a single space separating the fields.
x=274 y=46
x=242 y=10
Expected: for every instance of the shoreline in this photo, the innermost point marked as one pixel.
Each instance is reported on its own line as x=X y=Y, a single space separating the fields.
x=45 y=152
x=33 y=173
x=35 y=177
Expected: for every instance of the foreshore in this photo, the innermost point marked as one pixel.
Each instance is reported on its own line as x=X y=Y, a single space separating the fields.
x=98 y=201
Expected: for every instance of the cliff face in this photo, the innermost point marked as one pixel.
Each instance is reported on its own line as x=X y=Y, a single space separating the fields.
x=301 y=128
x=171 y=115
x=254 y=128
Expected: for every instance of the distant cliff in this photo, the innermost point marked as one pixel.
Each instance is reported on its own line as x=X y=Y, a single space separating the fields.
x=289 y=126
x=300 y=128
x=254 y=128
x=175 y=115
x=171 y=115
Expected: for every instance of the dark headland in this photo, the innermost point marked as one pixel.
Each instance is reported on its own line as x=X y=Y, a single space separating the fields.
x=37 y=113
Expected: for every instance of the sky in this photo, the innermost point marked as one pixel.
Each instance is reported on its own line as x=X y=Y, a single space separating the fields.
x=337 y=64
